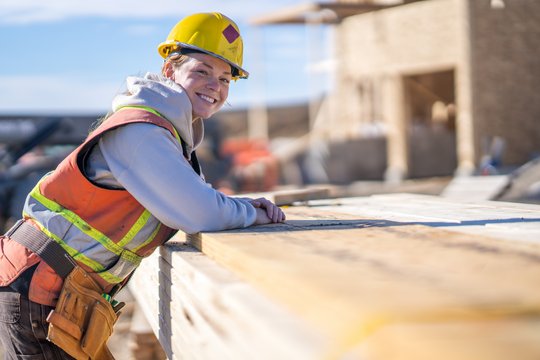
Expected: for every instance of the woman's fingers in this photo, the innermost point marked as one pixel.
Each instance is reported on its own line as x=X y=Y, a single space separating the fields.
x=281 y=216
x=278 y=214
x=274 y=213
x=270 y=210
x=259 y=202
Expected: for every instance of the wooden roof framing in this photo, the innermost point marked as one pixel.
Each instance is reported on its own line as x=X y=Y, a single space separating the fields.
x=320 y=12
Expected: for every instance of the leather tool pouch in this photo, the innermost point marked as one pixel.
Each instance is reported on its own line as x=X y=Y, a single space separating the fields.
x=83 y=319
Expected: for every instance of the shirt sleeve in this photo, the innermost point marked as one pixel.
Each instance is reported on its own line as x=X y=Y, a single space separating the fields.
x=147 y=161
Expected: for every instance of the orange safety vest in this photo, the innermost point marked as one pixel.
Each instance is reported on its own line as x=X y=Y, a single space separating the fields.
x=107 y=231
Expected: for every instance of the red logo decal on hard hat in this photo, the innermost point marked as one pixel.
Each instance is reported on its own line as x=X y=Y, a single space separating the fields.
x=230 y=34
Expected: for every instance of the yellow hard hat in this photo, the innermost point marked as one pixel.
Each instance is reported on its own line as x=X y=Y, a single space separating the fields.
x=210 y=33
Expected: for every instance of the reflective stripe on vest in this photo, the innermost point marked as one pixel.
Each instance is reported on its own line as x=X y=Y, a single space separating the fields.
x=88 y=245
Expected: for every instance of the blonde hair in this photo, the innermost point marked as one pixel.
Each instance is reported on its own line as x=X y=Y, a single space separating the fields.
x=176 y=60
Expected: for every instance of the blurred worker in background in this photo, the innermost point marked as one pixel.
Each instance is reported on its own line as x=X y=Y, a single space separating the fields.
x=125 y=191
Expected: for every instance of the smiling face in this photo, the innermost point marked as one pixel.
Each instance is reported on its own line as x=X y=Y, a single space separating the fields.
x=206 y=80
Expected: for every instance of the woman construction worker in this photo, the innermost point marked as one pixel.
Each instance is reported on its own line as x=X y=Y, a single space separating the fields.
x=133 y=182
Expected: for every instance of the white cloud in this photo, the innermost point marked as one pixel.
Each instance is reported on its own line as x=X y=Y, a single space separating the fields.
x=29 y=11
x=50 y=94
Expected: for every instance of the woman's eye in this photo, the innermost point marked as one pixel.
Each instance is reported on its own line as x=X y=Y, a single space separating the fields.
x=225 y=81
x=202 y=72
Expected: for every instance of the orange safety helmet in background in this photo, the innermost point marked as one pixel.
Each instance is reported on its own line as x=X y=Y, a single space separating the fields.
x=210 y=33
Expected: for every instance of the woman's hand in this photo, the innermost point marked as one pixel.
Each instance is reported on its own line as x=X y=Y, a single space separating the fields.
x=267 y=211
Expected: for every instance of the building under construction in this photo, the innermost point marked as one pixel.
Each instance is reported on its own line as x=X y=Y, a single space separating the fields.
x=427 y=88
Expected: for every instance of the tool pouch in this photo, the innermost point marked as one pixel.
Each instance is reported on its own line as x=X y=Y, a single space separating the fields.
x=83 y=320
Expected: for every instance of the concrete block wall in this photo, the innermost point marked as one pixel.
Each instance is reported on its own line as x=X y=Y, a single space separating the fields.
x=408 y=38
x=505 y=52
x=357 y=159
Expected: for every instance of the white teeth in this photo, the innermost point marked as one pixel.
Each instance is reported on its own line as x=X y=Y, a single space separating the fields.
x=207 y=98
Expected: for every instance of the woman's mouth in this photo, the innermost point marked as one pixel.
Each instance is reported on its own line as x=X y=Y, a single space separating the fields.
x=207 y=98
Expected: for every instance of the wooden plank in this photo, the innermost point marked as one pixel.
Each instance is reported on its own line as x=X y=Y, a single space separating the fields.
x=335 y=281
x=491 y=339
x=350 y=277
x=202 y=311
x=288 y=197
x=509 y=221
x=476 y=187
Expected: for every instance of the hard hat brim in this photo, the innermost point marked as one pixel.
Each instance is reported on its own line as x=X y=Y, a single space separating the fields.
x=242 y=73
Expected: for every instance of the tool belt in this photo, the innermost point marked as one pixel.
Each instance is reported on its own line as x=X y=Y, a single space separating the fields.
x=84 y=317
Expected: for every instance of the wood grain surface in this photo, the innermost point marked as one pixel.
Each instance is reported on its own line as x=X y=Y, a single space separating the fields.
x=387 y=277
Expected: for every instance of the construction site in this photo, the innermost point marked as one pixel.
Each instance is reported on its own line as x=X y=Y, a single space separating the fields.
x=411 y=190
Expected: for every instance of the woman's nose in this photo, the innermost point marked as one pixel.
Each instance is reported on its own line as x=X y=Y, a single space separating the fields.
x=213 y=84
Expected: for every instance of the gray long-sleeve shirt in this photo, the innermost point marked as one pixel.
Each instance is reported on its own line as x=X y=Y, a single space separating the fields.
x=147 y=161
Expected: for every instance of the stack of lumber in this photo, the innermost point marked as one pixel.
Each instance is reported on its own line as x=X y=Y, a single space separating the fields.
x=476 y=187
x=388 y=277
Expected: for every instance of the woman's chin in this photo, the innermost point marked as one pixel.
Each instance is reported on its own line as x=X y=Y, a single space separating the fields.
x=204 y=114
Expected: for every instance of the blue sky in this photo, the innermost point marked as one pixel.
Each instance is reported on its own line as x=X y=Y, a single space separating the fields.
x=72 y=56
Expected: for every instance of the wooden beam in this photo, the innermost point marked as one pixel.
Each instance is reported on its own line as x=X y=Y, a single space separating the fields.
x=200 y=310
x=351 y=277
x=382 y=277
x=330 y=12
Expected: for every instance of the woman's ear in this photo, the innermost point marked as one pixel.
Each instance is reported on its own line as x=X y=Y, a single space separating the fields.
x=168 y=70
